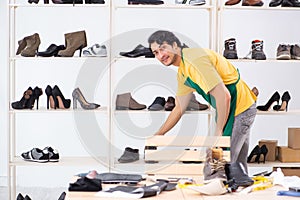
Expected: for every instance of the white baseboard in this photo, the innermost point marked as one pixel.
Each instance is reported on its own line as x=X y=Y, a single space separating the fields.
x=3 y=181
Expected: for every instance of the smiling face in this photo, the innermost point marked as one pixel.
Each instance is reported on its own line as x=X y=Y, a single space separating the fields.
x=167 y=54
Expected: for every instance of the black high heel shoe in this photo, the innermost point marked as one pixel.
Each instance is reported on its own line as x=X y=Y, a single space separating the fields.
x=59 y=99
x=33 y=1
x=275 y=97
x=284 y=104
x=37 y=92
x=50 y=98
x=22 y=104
x=264 y=152
x=255 y=152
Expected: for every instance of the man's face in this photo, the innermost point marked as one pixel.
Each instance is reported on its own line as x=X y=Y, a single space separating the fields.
x=165 y=53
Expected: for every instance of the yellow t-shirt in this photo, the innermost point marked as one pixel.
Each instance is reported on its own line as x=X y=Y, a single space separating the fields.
x=206 y=69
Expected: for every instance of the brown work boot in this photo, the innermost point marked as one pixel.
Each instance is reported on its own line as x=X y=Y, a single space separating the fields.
x=126 y=102
x=252 y=3
x=232 y=2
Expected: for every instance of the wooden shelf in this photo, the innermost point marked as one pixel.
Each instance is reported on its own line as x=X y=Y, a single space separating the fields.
x=274 y=164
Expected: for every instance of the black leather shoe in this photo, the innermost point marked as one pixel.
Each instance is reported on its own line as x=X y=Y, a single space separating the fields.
x=140 y=50
x=145 y=2
x=158 y=104
x=275 y=3
x=72 y=1
x=290 y=3
x=52 y=50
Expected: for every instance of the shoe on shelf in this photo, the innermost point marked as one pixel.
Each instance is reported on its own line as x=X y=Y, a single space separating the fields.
x=145 y=2
x=126 y=102
x=138 y=51
x=274 y=3
x=295 y=52
x=158 y=104
x=73 y=41
x=257 y=52
x=29 y=45
x=252 y=3
x=286 y=97
x=52 y=50
x=255 y=91
x=197 y=2
x=195 y=105
x=96 y=50
x=290 y=3
x=230 y=51
x=36 y=155
x=53 y=155
x=72 y=1
x=170 y=104
x=283 y=52
x=78 y=96
x=180 y=1
x=232 y=2
x=24 y=102
x=266 y=107
x=129 y=155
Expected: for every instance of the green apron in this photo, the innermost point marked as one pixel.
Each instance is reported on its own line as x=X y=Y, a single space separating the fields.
x=227 y=131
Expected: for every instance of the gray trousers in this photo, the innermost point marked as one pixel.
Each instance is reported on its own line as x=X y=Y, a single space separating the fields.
x=239 y=142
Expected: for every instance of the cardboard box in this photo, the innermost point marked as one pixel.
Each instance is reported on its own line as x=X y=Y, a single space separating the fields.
x=272 y=149
x=289 y=171
x=294 y=138
x=286 y=154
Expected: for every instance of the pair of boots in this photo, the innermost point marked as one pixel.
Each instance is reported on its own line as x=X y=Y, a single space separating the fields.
x=29 y=45
x=245 y=2
x=256 y=51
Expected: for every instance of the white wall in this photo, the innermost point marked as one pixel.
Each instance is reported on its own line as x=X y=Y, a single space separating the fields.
x=38 y=130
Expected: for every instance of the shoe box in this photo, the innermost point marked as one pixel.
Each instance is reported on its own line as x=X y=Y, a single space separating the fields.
x=286 y=154
x=289 y=171
x=294 y=138
x=272 y=149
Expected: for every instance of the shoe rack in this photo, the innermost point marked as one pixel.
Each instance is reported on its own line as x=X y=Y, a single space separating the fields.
x=270 y=25
x=58 y=128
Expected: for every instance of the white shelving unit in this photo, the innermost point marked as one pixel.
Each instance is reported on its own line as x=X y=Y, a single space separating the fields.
x=46 y=126
x=268 y=75
x=205 y=25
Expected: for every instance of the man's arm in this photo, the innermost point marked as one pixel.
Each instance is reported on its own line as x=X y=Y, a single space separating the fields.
x=223 y=98
x=181 y=103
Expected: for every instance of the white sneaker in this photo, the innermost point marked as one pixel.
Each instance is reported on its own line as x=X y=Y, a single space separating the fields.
x=96 y=50
x=197 y=2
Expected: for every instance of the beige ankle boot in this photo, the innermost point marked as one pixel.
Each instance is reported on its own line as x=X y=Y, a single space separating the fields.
x=73 y=42
x=232 y=2
x=126 y=102
x=252 y=3
x=32 y=44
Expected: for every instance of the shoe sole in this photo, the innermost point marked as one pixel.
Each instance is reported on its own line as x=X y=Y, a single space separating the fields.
x=283 y=57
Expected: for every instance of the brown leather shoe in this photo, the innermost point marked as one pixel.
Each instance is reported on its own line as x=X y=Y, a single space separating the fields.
x=170 y=104
x=126 y=102
x=252 y=3
x=232 y=2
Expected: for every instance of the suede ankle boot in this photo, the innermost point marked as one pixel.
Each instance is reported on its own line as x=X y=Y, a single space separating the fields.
x=32 y=44
x=74 y=41
x=237 y=172
x=126 y=102
x=232 y=2
x=252 y=3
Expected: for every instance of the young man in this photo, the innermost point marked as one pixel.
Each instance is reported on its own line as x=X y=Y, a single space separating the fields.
x=218 y=81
